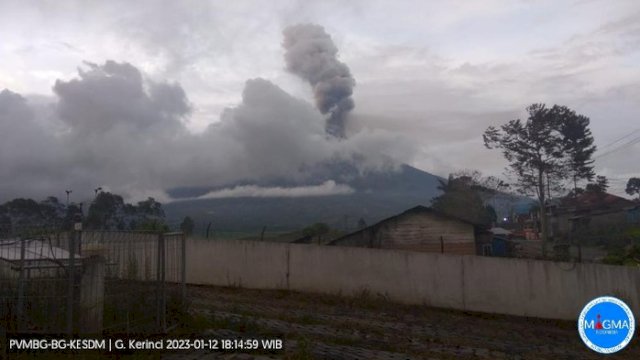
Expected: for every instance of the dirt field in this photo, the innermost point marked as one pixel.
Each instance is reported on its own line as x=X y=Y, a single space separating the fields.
x=369 y=327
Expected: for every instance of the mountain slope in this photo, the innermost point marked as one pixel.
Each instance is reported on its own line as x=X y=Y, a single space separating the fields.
x=376 y=195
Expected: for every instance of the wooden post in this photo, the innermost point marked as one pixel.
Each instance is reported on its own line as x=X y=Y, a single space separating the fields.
x=161 y=304
x=92 y=293
x=441 y=245
x=208 y=228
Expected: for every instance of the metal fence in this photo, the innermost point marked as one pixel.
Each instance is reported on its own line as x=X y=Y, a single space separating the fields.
x=92 y=282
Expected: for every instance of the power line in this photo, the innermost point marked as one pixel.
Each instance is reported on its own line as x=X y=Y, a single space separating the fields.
x=627 y=144
x=620 y=139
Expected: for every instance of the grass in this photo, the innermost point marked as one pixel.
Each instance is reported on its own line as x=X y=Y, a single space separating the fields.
x=364 y=320
x=303 y=350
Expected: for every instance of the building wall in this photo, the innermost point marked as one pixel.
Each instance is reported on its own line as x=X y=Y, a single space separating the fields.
x=596 y=221
x=607 y=220
x=522 y=287
x=420 y=231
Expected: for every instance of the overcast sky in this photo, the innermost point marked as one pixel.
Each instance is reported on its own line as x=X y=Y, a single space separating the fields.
x=430 y=74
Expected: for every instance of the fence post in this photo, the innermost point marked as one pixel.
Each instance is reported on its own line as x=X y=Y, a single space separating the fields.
x=92 y=293
x=71 y=273
x=164 y=285
x=3 y=342
x=21 y=280
x=160 y=277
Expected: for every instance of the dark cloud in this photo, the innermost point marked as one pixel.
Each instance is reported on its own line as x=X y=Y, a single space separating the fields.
x=419 y=65
x=113 y=95
x=120 y=130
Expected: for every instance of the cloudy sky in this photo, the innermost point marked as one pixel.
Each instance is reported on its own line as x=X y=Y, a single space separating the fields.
x=430 y=77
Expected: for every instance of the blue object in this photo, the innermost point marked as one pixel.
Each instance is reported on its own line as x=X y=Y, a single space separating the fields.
x=499 y=246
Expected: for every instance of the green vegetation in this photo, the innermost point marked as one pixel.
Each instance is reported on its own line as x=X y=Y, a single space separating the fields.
x=633 y=187
x=187 y=225
x=461 y=198
x=27 y=217
x=303 y=350
x=550 y=146
x=624 y=256
x=599 y=186
x=109 y=212
x=317 y=229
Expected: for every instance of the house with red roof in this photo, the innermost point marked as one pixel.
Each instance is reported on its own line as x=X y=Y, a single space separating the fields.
x=591 y=211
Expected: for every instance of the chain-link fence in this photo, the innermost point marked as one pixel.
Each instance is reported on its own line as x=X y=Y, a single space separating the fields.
x=92 y=282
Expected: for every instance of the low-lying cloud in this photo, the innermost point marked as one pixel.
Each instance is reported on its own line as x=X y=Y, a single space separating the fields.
x=329 y=187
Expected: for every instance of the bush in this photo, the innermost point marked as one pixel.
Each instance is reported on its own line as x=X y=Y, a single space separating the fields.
x=621 y=256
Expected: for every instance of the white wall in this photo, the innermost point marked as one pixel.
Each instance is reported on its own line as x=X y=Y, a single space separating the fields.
x=496 y=285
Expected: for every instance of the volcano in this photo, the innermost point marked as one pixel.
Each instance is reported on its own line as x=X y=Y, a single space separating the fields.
x=375 y=195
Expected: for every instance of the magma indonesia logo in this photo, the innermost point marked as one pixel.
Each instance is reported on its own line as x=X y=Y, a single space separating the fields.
x=606 y=325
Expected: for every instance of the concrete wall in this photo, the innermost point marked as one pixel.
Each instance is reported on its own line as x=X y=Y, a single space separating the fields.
x=494 y=285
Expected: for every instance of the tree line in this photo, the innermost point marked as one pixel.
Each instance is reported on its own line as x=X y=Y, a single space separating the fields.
x=106 y=212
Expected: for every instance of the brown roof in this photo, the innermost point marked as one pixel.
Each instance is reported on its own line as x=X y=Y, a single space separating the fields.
x=596 y=201
x=413 y=210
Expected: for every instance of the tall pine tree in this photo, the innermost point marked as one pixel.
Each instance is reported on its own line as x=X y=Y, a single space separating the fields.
x=578 y=144
x=551 y=145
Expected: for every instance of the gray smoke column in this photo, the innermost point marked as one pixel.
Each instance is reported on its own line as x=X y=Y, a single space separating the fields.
x=311 y=54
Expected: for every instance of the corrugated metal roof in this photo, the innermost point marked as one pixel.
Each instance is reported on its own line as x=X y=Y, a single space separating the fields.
x=10 y=250
x=413 y=210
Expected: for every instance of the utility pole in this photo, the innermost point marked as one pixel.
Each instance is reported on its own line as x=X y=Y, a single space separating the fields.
x=208 y=228
x=68 y=192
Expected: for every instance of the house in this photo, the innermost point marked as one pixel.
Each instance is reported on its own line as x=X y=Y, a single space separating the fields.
x=590 y=210
x=419 y=229
x=633 y=214
x=525 y=224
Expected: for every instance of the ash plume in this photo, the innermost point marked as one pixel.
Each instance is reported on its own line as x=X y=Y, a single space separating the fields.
x=311 y=54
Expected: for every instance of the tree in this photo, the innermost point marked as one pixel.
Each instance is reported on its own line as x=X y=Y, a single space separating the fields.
x=109 y=211
x=187 y=226
x=153 y=226
x=633 y=187
x=460 y=199
x=534 y=149
x=577 y=143
x=492 y=214
x=317 y=229
x=151 y=208
x=486 y=187
x=105 y=211
x=599 y=186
